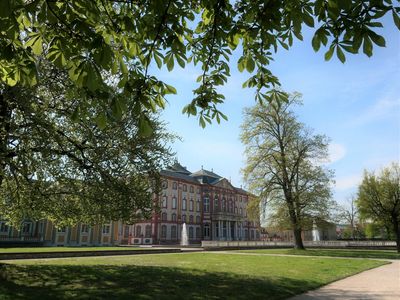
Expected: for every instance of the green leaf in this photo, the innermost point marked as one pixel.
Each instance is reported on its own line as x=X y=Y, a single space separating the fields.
x=145 y=128
x=377 y=39
x=340 y=54
x=308 y=19
x=170 y=89
x=396 y=19
x=250 y=65
x=101 y=120
x=36 y=43
x=316 y=42
x=367 y=46
x=170 y=63
x=202 y=122
x=329 y=53
x=241 y=64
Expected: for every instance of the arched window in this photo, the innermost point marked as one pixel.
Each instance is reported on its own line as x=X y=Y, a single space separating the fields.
x=164 y=231
x=164 y=216
x=191 y=233
x=191 y=205
x=241 y=211
x=183 y=218
x=164 y=201
x=206 y=230
x=216 y=203
x=223 y=204
x=206 y=204
x=184 y=204
x=198 y=233
x=165 y=184
x=148 y=231
x=184 y=187
x=198 y=205
x=174 y=185
x=138 y=231
x=173 y=232
x=173 y=217
x=191 y=189
x=190 y=219
x=198 y=219
x=174 y=202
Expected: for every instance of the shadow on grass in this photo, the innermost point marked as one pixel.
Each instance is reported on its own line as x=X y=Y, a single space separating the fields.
x=139 y=282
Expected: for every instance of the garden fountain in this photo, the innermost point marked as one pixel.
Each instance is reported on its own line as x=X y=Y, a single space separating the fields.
x=184 y=236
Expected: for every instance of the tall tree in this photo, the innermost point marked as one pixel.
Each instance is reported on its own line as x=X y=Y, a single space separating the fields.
x=379 y=198
x=283 y=167
x=98 y=39
x=349 y=213
x=57 y=165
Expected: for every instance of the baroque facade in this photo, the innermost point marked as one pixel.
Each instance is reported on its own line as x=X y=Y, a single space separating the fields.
x=210 y=206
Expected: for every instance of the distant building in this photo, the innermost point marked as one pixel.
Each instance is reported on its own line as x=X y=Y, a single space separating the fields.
x=211 y=207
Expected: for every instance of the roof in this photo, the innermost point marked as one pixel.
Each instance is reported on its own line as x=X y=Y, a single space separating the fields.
x=174 y=174
x=178 y=168
x=203 y=172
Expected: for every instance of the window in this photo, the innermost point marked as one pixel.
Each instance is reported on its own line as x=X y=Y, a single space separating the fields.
x=174 y=186
x=106 y=229
x=217 y=229
x=126 y=231
x=164 y=216
x=240 y=198
x=84 y=228
x=190 y=219
x=174 y=202
x=184 y=204
x=191 y=205
x=223 y=204
x=184 y=187
x=173 y=232
x=173 y=217
x=198 y=205
x=164 y=201
x=198 y=219
x=216 y=204
x=198 y=233
x=191 y=189
x=148 y=231
x=26 y=227
x=164 y=231
x=165 y=184
x=241 y=211
x=198 y=190
x=184 y=218
x=207 y=230
x=206 y=204
x=3 y=227
x=138 y=231
x=191 y=233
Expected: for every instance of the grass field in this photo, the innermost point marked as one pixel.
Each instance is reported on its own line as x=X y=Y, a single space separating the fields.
x=384 y=254
x=67 y=249
x=173 y=276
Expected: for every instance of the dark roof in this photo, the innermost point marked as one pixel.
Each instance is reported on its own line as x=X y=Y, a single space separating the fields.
x=174 y=174
x=203 y=172
x=178 y=168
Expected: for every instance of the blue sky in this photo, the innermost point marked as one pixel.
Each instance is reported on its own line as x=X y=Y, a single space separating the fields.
x=356 y=104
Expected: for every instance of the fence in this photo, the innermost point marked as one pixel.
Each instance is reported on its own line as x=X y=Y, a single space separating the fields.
x=319 y=244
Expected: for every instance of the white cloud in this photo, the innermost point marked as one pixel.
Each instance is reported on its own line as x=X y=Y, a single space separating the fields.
x=336 y=152
x=348 y=182
x=385 y=107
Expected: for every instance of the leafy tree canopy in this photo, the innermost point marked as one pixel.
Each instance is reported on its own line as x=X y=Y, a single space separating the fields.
x=71 y=170
x=379 y=198
x=106 y=42
x=283 y=165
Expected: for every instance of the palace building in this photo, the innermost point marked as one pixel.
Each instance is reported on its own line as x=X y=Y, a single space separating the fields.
x=210 y=206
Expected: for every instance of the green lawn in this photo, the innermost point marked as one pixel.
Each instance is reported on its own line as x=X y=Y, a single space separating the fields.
x=67 y=249
x=385 y=254
x=172 y=276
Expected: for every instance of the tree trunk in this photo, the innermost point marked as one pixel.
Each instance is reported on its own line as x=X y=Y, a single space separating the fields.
x=397 y=232
x=298 y=241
